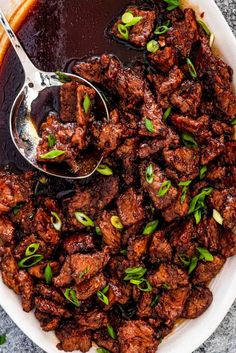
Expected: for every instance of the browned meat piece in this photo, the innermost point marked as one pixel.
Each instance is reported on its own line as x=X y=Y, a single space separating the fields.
x=20 y=249
x=152 y=113
x=177 y=209
x=229 y=155
x=78 y=243
x=38 y=270
x=168 y=274
x=225 y=203
x=188 y=97
x=160 y=202
x=206 y=271
x=102 y=339
x=197 y=303
x=24 y=217
x=228 y=243
x=213 y=149
x=92 y=320
x=91 y=70
x=9 y=269
x=90 y=287
x=168 y=84
x=184 y=160
x=119 y=292
x=137 y=248
x=137 y=336
x=6 y=230
x=208 y=234
x=77 y=264
x=68 y=102
x=47 y=322
x=181 y=238
x=171 y=304
x=130 y=85
x=141 y=32
x=44 y=227
x=130 y=207
x=49 y=292
x=26 y=286
x=111 y=236
x=50 y=307
x=219 y=128
x=72 y=338
x=160 y=248
x=131 y=231
x=184 y=34
x=144 y=309
x=82 y=117
x=14 y=189
x=164 y=59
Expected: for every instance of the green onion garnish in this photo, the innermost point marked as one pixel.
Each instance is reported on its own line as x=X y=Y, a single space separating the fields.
x=17 y=208
x=134 y=21
x=70 y=295
x=48 y=274
x=134 y=273
x=184 y=185
x=123 y=31
x=98 y=230
x=155 y=300
x=150 y=227
x=62 y=77
x=127 y=17
x=84 y=219
x=233 y=122
x=51 y=140
x=111 y=332
x=52 y=154
x=30 y=261
x=149 y=174
x=3 y=339
x=191 y=68
x=146 y=288
x=166 y=286
x=161 y=30
x=105 y=289
x=153 y=46
x=203 y=171
x=188 y=140
x=84 y=272
x=165 y=187
x=56 y=221
x=204 y=27
x=149 y=125
x=173 y=4
x=86 y=104
x=197 y=204
x=101 y=296
x=185 y=259
x=205 y=255
x=104 y=170
x=116 y=222
x=32 y=249
x=102 y=350
x=167 y=113
x=123 y=252
x=193 y=265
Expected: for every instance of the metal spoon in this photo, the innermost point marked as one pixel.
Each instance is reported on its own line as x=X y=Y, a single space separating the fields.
x=23 y=130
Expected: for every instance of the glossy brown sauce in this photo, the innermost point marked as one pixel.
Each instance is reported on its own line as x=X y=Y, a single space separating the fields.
x=54 y=34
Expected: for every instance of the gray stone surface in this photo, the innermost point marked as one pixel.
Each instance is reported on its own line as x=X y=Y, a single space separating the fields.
x=224 y=338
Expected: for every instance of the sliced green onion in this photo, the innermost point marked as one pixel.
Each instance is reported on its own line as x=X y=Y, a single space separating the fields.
x=184 y=185
x=173 y=4
x=123 y=31
x=123 y=252
x=105 y=289
x=149 y=125
x=150 y=227
x=104 y=170
x=70 y=295
x=51 y=140
x=111 y=332
x=56 y=221
x=188 y=140
x=17 y=208
x=32 y=249
x=205 y=255
x=198 y=201
x=203 y=171
x=198 y=216
x=166 y=286
x=185 y=259
x=233 y=122
x=165 y=187
x=3 y=339
x=86 y=104
x=30 y=261
x=193 y=265
x=155 y=300
x=127 y=17
x=167 y=113
x=98 y=230
x=217 y=217
x=84 y=272
x=161 y=30
x=84 y=219
x=62 y=77
x=102 y=350
x=48 y=274
x=116 y=222
x=204 y=27
x=153 y=46
x=134 y=21
x=134 y=273
x=52 y=154
x=191 y=68
x=149 y=174
x=101 y=296
x=146 y=288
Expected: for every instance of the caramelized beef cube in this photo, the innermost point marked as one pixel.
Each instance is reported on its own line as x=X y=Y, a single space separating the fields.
x=82 y=117
x=167 y=85
x=212 y=150
x=6 y=230
x=68 y=102
x=137 y=248
x=10 y=271
x=24 y=217
x=229 y=155
x=90 y=287
x=171 y=304
x=111 y=236
x=102 y=339
x=225 y=203
x=228 y=243
x=137 y=336
x=20 y=249
x=168 y=274
x=91 y=70
x=178 y=209
x=50 y=307
x=160 y=202
x=144 y=309
x=188 y=97
x=160 y=248
x=208 y=234
x=51 y=293
x=163 y=60
x=92 y=320
x=181 y=238
x=141 y=32
x=119 y=292
x=199 y=300
x=130 y=207
x=184 y=34
x=220 y=128
x=72 y=338
x=130 y=85
x=26 y=286
x=44 y=227
x=78 y=243
x=47 y=322
x=206 y=271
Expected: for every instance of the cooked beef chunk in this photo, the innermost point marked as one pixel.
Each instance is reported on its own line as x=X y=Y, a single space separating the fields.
x=228 y=243
x=10 y=271
x=118 y=292
x=102 y=339
x=50 y=307
x=92 y=320
x=182 y=237
x=167 y=85
x=44 y=227
x=68 y=102
x=72 y=338
x=78 y=243
x=206 y=271
x=49 y=292
x=130 y=207
x=225 y=202
x=111 y=236
x=20 y=249
x=164 y=59
x=199 y=300
x=171 y=304
x=229 y=156
x=137 y=336
x=170 y=275
x=91 y=70
x=160 y=249
x=6 y=230
x=23 y=217
x=213 y=149
x=27 y=290
x=140 y=32
x=177 y=209
x=90 y=287
x=47 y=322
x=137 y=248
x=220 y=128
x=144 y=309
x=208 y=234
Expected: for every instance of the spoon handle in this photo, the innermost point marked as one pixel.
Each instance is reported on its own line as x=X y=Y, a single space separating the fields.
x=28 y=66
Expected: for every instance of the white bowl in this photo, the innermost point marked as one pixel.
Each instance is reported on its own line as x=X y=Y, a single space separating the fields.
x=189 y=335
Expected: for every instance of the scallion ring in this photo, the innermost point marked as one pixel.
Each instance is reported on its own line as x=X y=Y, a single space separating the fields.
x=104 y=170
x=149 y=174
x=116 y=222
x=191 y=68
x=32 y=249
x=150 y=227
x=167 y=113
x=52 y=154
x=30 y=261
x=86 y=104
x=103 y=298
x=161 y=30
x=123 y=31
x=152 y=46
x=217 y=217
x=56 y=221
x=165 y=187
x=70 y=295
x=127 y=17
x=111 y=332
x=48 y=274
x=84 y=219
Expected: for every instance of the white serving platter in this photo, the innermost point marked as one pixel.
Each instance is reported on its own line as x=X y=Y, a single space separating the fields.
x=189 y=335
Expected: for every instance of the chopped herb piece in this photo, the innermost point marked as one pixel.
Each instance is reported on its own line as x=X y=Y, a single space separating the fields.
x=116 y=222
x=191 y=68
x=30 y=261
x=204 y=27
x=111 y=332
x=173 y=4
x=56 y=221
x=43 y=180
x=86 y=104
x=51 y=140
x=102 y=350
x=70 y=295
x=188 y=140
x=152 y=46
x=98 y=230
x=166 y=286
x=63 y=77
x=48 y=274
x=185 y=259
x=197 y=204
x=32 y=249
x=150 y=227
x=84 y=272
x=217 y=217
x=134 y=21
x=127 y=17
x=105 y=289
x=149 y=174
x=203 y=171
x=155 y=300
x=161 y=30
x=17 y=208
x=123 y=31
x=193 y=265
x=52 y=154
x=2 y=339
x=205 y=255
x=84 y=219
x=123 y=252
x=184 y=185
x=167 y=113
x=101 y=296
x=147 y=288
x=104 y=170
x=134 y=273
x=165 y=187
x=149 y=125
x=233 y=122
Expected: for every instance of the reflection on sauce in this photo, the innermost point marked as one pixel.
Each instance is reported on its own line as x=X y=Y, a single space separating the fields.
x=53 y=34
